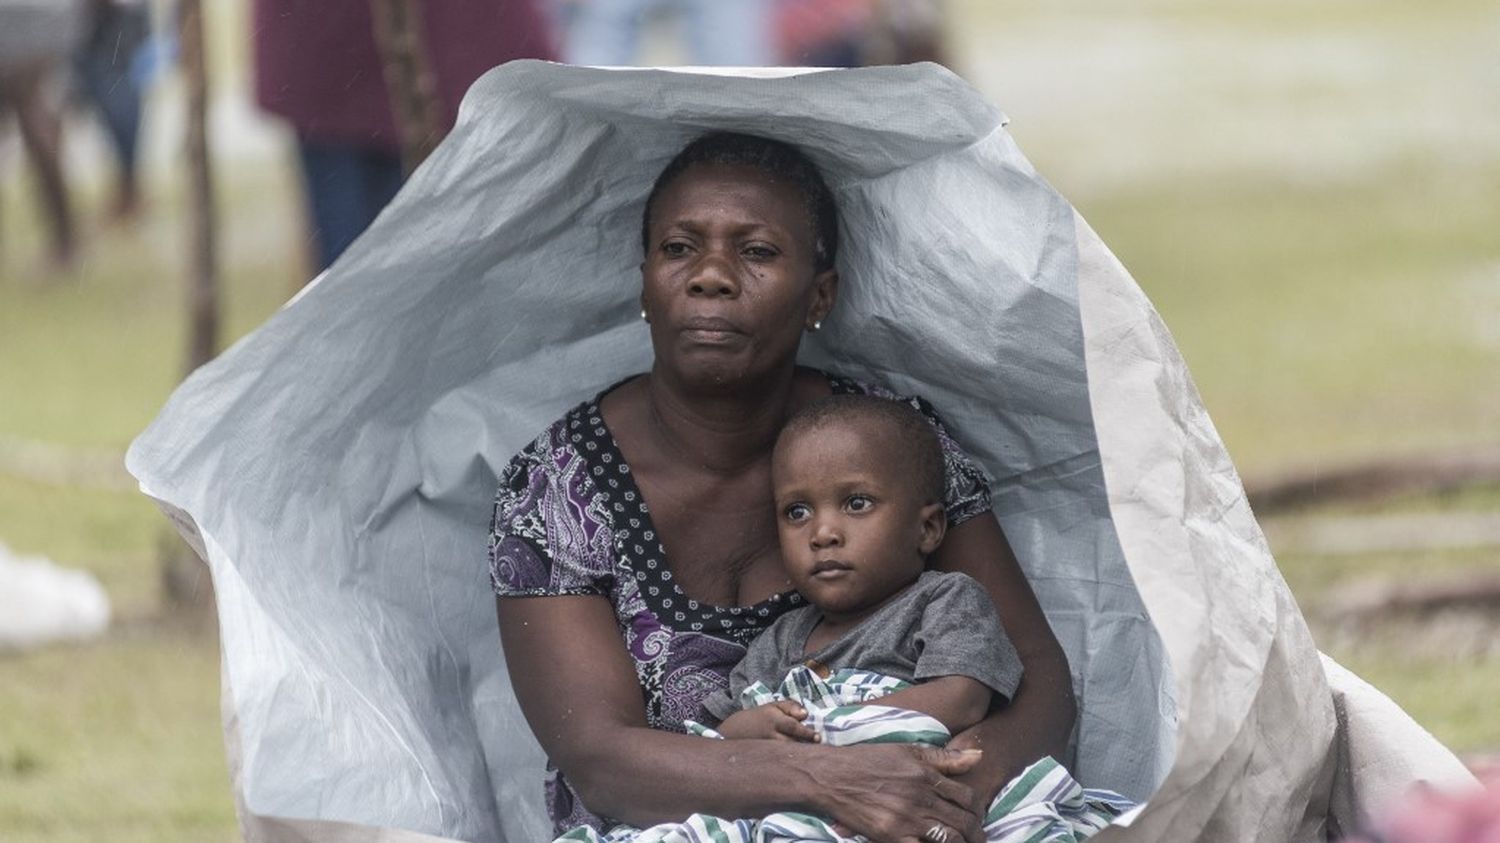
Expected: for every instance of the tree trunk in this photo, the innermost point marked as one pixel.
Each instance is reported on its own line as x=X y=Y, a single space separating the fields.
x=185 y=577
x=401 y=40
x=203 y=282
x=1375 y=480
x=1377 y=600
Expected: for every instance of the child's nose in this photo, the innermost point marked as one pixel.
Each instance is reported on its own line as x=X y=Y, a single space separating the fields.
x=827 y=534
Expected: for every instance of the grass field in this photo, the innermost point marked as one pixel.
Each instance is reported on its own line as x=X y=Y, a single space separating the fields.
x=1306 y=193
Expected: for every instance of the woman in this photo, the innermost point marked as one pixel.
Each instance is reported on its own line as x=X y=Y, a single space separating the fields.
x=645 y=515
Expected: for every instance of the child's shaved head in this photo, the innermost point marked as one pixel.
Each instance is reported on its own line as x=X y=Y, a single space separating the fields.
x=909 y=439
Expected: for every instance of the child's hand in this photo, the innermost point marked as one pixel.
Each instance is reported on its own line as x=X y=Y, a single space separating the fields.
x=780 y=720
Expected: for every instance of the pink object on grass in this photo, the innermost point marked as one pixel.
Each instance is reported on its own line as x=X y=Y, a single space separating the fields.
x=1430 y=816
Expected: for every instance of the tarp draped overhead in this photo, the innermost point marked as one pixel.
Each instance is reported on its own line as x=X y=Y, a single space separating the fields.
x=336 y=467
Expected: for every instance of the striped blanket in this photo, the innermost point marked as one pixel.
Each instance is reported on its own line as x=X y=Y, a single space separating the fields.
x=1041 y=805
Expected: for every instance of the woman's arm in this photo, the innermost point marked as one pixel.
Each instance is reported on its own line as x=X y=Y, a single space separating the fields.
x=1039 y=720
x=578 y=689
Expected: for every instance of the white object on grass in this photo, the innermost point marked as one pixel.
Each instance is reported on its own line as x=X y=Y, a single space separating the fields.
x=41 y=602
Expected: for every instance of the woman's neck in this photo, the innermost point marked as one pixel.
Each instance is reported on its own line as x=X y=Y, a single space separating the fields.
x=723 y=431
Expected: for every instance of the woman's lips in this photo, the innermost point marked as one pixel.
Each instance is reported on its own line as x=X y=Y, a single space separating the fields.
x=710 y=330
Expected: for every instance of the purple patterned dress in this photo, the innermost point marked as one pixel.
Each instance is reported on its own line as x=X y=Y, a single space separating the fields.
x=569 y=520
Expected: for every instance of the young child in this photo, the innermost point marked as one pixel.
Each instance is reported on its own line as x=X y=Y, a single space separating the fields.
x=858 y=484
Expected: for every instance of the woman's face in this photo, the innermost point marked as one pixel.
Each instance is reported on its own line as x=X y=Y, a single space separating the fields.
x=728 y=283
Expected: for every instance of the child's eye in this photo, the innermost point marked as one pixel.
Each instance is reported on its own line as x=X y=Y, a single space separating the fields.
x=859 y=503
x=797 y=512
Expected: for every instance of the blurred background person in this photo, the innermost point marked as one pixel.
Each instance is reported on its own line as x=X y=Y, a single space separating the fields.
x=113 y=66
x=822 y=33
x=858 y=33
x=36 y=38
x=907 y=31
x=318 y=66
x=728 y=33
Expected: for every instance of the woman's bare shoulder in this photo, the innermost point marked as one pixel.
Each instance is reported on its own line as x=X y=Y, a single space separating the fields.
x=809 y=385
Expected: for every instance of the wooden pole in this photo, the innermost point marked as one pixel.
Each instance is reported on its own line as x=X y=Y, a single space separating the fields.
x=1375 y=480
x=184 y=577
x=401 y=40
x=203 y=270
x=1377 y=600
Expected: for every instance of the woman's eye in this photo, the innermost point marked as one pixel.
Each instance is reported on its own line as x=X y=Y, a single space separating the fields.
x=797 y=512
x=859 y=503
x=759 y=253
x=674 y=248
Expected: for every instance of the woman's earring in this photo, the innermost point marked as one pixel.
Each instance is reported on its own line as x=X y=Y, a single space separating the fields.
x=643 y=315
x=817 y=325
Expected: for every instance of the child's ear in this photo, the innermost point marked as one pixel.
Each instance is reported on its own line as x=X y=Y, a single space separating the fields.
x=934 y=525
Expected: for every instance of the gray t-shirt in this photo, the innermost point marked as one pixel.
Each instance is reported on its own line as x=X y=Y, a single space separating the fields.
x=942 y=625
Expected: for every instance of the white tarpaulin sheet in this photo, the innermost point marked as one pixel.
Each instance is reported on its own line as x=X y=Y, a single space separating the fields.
x=336 y=467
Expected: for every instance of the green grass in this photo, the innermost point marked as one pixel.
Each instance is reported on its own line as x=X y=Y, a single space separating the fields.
x=1325 y=318
x=1273 y=16
x=1323 y=324
x=115 y=535
x=1441 y=670
x=1454 y=698
x=96 y=353
x=1469 y=499
x=1315 y=579
x=116 y=740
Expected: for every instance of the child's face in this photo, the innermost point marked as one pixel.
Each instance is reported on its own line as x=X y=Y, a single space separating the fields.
x=854 y=530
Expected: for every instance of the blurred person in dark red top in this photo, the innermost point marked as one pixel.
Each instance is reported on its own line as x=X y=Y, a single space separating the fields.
x=854 y=33
x=317 y=66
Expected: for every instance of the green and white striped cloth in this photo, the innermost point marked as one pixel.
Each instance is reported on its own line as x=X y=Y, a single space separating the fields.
x=1042 y=805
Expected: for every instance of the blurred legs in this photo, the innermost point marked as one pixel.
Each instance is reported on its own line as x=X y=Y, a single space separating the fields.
x=347 y=186
x=24 y=90
x=717 y=32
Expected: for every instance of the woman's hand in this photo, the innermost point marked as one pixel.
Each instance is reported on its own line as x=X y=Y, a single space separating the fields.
x=899 y=793
x=780 y=720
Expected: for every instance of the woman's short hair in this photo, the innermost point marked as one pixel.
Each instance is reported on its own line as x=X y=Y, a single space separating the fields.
x=780 y=160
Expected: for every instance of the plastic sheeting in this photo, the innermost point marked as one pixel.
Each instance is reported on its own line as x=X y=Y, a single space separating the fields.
x=336 y=467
